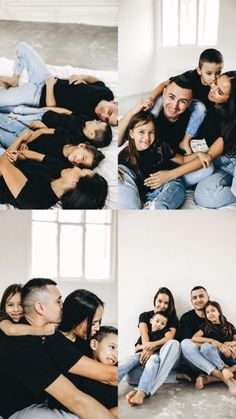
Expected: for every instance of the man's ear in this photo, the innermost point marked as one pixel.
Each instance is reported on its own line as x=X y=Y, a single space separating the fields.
x=93 y=344
x=199 y=71
x=81 y=145
x=115 y=101
x=39 y=308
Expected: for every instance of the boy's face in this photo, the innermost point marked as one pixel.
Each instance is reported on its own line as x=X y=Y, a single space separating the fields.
x=209 y=72
x=91 y=127
x=106 y=351
x=158 y=322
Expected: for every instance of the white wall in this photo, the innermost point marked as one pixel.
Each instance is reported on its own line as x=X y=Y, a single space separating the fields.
x=178 y=250
x=90 y=12
x=15 y=254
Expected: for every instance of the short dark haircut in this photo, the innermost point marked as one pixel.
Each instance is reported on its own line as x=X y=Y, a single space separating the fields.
x=89 y=193
x=102 y=137
x=98 y=156
x=104 y=332
x=32 y=286
x=162 y=313
x=210 y=55
x=78 y=306
x=181 y=81
x=198 y=287
x=8 y=293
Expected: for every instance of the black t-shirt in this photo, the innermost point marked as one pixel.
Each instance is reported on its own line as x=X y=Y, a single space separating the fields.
x=172 y=133
x=37 y=192
x=147 y=315
x=150 y=161
x=25 y=370
x=189 y=324
x=153 y=336
x=65 y=354
x=82 y=98
x=52 y=145
x=217 y=332
x=200 y=91
x=73 y=124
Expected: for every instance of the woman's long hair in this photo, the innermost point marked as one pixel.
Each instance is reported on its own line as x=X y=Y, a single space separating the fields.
x=226 y=326
x=171 y=311
x=78 y=306
x=228 y=109
x=8 y=293
x=229 y=136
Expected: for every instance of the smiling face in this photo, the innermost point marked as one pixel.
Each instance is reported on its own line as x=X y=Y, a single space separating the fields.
x=91 y=127
x=106 y=351
x=143 y=135
x=80 y=155
x=81 y=329
x=158 y=322
x=175 y=101
x=209 y=72
x=212 y=314
x=72 y=176
x=13 y=307
x=161 y=303
x=220 y=90
x=199 y=299
x=107 y=111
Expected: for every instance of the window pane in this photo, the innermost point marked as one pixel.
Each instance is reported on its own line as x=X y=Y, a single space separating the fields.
x=170 y=22
x=71 y=251
x=98 y=217
x=70 y=216
x=208 y=22
x=44 y=215
x=97 y=252
x=44 y=249
x=188 y=18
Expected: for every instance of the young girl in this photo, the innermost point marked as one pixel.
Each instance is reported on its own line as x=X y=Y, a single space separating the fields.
x=217 y=339
x=11 y=311
x=143 y=158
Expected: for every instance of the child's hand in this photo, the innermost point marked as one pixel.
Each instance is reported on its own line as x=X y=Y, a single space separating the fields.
x=49 y=329
x=12 y=156
x=150 y=346
x=144 y=103
x=156 y=180
x=216 y=344
x=23 y=147
x=205 y=159
x=51 y=81
x=37 y=124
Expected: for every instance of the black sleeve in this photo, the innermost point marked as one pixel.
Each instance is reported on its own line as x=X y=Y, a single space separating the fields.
x=52 y=119
x=62 y=351
x=144 y=318
x=36 y=194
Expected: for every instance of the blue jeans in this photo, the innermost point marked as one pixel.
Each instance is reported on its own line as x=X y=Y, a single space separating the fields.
x=215 y=356
x=28 y=93
x=169 y=196
x=218 y=189
x=149 y=374
x=168 y=355
x=195 y=358
x=12 y=125
x=197 y=176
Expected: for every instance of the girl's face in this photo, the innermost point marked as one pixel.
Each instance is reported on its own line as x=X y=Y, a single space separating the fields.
x=80 y=155
x=81 y=329
x=13 y=307
x=213 y=314
x=162 y=302
x=143 y=135
x=220 y=90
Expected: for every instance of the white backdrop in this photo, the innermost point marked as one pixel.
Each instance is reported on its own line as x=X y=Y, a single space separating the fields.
x=178 y=250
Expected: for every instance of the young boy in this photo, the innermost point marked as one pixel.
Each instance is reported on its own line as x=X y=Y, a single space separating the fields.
x=209 y=69
x=159 y=330
x=105 y=345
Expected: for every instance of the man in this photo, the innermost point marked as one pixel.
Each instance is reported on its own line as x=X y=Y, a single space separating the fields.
x=26 y=370
x=82 y=94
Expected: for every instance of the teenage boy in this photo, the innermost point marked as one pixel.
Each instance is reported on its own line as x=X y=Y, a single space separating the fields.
x=27 y=373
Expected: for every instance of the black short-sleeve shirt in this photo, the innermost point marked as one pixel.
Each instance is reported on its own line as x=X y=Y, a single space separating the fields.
x=73 y=124
x=147 y=315
x=172 y=133
x=52 y=144
x=153 y=336
x=189 y=324
x=200 y=91
x=26 y=371
x=82 y=98
x=217 y=332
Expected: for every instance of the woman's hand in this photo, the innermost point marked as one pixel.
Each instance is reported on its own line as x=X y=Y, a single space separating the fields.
x=156 y=180
x=37 y=124
x=149 y=346
x=12 y=156
x=75 y=79
x=51 y=81
x=205 y=159
x=145 y=355
x=216 y=344
x=23 y=147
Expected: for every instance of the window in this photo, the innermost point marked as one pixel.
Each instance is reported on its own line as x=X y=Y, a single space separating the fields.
x=73 y=245
x=189 y=22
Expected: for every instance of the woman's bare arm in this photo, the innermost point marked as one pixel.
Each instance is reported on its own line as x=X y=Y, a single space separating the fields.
x=95 y=370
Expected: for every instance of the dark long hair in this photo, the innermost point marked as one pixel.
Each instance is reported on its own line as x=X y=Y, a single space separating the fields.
x=229 y=136
x=171 y=311
x=8 y=293
x=228 y=109
x=78 y=306
x=226 y=326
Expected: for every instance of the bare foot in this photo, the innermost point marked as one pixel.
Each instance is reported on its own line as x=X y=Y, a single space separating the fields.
x=200 y=382
x=130 y=395
x=232 y=386
x=227 y=374
x=138 y=398
x=183 y=377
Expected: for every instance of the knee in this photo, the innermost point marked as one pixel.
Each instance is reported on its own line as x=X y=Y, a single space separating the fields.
x=200 y=108
x=174 y=345
x=206 y=348
x=186 y=345
x=153 y=360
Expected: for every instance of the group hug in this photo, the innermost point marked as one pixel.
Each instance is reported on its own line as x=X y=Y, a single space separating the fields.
x=200 y=348
x=56 y=360
x=51 y=133
x=158 y=163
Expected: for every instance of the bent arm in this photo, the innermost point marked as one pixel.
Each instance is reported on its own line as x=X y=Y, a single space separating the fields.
x=76 y=401
x=143 y=329
x=90 y=368
x=159 y=89
x=168 y=336
x=11 y=329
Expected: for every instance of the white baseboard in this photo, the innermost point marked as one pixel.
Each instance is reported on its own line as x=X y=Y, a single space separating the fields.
x=90 y=12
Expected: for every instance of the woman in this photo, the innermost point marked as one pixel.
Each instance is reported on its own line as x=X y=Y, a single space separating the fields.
x=70 y=349
x=169 y=352
x=219 y=189
x=41 y=182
